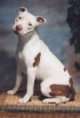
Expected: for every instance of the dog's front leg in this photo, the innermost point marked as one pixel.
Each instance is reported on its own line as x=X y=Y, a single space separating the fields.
x=17 y=85
x=31 y=73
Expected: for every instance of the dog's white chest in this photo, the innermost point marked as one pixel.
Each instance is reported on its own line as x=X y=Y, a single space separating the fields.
x=29 y=52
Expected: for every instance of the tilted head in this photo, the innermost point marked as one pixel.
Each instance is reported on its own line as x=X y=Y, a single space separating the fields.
x=25 y=22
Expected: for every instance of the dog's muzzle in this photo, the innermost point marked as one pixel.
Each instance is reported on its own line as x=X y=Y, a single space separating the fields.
x=17 y=29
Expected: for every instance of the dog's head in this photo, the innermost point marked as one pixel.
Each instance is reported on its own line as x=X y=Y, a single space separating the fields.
x=25 y=22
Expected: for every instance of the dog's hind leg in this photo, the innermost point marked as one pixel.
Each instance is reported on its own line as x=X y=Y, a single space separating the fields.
x=57 y=100
x=57 y=93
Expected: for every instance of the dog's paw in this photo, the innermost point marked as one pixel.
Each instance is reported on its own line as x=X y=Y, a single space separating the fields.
x=51 y=100
x=23 y=100
x=45 y=101
x=11 y=92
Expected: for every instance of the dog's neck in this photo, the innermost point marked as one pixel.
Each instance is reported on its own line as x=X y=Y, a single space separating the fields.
x=23 y=40
x=26 y=37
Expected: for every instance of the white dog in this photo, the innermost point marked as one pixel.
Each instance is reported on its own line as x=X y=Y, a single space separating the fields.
x=37 y=61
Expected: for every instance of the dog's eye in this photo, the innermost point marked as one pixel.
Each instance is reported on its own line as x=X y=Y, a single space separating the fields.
x=20 y=17
x=30 y=24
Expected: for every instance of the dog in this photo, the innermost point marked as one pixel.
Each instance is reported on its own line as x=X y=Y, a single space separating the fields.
x=36 y=60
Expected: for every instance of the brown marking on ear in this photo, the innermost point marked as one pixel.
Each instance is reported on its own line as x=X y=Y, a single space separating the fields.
x=40 y=19
x=22 y=9
x=37 y=59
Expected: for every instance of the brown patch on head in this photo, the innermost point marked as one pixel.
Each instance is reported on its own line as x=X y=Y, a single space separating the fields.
x=37 y=59
x=62 y=90
x=22 y=9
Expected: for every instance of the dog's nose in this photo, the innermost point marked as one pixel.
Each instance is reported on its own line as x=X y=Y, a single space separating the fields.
x=18 y=27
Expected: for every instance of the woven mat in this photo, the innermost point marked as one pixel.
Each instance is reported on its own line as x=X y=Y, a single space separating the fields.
x=10 y=103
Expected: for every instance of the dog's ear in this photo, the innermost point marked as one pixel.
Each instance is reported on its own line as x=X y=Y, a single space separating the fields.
x=23 y=9
x=40 y=20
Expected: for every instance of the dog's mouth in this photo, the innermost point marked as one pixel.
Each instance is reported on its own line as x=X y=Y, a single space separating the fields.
x=16 y=32
x=18 y=28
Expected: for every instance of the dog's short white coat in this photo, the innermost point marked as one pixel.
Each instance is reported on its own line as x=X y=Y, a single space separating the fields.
x=50 y=68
